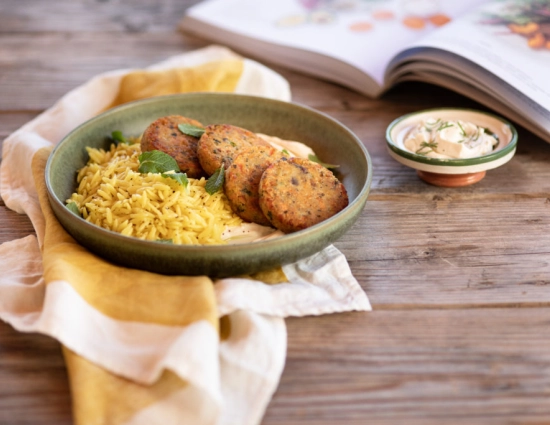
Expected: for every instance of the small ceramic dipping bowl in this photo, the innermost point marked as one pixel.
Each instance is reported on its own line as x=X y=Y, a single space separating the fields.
x=452 y=172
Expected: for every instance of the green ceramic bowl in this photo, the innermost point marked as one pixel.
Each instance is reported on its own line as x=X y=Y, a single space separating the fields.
x=331 y=141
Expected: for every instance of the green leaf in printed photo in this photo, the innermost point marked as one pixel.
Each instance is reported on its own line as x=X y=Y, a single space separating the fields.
x=157 y=162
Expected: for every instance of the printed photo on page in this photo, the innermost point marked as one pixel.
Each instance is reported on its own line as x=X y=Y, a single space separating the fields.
x=363 y=33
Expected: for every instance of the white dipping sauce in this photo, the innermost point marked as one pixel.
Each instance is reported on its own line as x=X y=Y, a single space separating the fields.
x=437 y=138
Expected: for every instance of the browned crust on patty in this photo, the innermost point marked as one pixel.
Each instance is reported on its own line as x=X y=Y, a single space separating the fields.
x=242 y=179
x=297 y=193
x=163 y=135
x=221 y=143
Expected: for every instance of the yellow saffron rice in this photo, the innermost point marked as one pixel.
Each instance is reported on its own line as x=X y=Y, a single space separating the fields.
x=112 y=194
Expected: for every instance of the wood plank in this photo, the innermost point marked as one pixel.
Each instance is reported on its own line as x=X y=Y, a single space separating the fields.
x=417 y=367
x=434 y=251
x=11 y=121
x=18 y=16
x=33 y=381
x=46 y=72
x=14 y=225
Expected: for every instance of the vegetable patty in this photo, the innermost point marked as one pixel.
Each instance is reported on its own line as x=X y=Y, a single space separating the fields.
x=164 y=135
x=221 y=143
x=296 y=193
x=242 y=179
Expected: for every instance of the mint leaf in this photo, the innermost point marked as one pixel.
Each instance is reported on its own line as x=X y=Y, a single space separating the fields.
x=181 y=178
x=191 y=130
x=118 y=137
x=157 y=162
x=72 y=207
x=314 y=158
x=215 y=181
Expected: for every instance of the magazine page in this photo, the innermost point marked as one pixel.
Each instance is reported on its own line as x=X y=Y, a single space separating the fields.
x=502 y=48
x=496 y=95
x=364 y=34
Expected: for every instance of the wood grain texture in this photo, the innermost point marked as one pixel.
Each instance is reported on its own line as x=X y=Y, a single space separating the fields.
x=459 y=278
x=34 y=386
x=13 y=225
x=64 y=69
x=418 y=367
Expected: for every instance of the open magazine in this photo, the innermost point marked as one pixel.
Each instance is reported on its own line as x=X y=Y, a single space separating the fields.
x=494 y=51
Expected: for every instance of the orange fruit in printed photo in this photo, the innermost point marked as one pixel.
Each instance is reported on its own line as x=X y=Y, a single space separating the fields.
x=536 y=41
x=439 y=19
x=414 y=22
x=527 y=29
x=419 y=23
x=383 y=15
x=362 y=26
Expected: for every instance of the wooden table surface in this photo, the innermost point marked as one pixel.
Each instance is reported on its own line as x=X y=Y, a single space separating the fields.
x=458 y=278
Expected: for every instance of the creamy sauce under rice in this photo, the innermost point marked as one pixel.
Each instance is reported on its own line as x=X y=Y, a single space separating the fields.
x=112 y=194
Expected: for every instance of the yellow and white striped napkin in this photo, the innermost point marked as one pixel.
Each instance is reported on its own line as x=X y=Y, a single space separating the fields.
x=143 y=348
